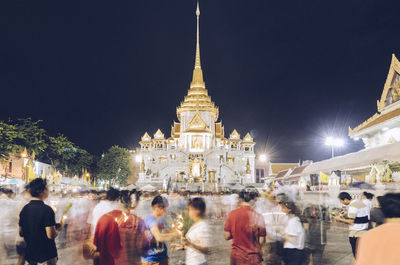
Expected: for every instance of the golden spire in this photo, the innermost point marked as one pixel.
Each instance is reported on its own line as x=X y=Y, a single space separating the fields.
x=197 y=98
x=197 y=80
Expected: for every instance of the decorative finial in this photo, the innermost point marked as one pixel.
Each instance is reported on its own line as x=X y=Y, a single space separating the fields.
x=197 y=80
x=198 y=9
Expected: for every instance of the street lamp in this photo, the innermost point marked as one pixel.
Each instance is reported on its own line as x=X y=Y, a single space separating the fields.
x=263 y=158
x=334 y=142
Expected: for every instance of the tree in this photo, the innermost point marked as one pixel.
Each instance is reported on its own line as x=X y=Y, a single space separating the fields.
x=115 y=165
x=8 y=136
x=59 y=151
x=32 y=136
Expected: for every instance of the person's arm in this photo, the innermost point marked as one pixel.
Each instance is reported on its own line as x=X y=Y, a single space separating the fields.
x=227 y=235
x=290 y=239
x=343 y=220
x=227 y=228
x=21 y=234
x=187 y=242
x=351 y=214
x=51 y=232
x=50 y=224
x=163 y=237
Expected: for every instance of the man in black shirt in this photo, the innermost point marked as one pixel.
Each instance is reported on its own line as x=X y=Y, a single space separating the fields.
x=37 y=226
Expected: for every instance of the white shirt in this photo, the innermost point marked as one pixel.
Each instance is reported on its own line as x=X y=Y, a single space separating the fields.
x=99 y=210
x=198 y=234
x=358 y=209
x=294 y=228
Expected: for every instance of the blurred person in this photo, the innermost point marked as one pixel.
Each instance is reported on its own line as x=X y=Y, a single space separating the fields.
x=377 y=217
x=158 y=234
x=316 y=224
x=293 y=234
x=119 y=235
x=198 y=239
x=357 y=217
x=38 y=227
x=275 y=221
x=381 y=245
x=246 y=228
x=108 y=204
x=367 y=198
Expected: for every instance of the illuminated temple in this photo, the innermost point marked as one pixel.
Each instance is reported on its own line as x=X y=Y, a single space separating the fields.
x=197 y=150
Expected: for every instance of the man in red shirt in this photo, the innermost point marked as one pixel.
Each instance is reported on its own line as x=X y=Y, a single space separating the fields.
x=246 y=228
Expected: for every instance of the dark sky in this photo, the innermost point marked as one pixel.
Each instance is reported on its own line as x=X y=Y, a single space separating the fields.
x=291 y=72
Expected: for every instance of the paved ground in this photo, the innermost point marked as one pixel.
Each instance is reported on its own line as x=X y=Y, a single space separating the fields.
x=337 y=251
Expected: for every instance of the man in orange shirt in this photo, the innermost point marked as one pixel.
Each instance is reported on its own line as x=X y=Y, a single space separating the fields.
x=380 y=246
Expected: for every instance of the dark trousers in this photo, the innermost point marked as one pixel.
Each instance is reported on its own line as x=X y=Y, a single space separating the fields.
x=293 y=256
x=353 y=243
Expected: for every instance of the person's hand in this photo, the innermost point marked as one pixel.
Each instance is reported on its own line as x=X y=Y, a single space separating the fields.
x=338 y=218
x=185 y=241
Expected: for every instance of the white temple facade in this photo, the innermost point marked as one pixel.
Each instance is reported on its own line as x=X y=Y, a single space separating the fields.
x=197 y=150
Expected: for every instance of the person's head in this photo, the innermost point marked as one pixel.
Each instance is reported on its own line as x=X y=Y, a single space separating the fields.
x=135 y=198
x=290 y=208
x=368 y=195
x=281 y=198
x=196 y=208
x=38 y=189
x=390 y=205
x=344 y=198
x=112 y=194
x=127 y=200
x=247 y=197
x=159 y=206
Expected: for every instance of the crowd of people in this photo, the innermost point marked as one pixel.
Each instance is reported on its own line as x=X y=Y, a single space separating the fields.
x=131 y=227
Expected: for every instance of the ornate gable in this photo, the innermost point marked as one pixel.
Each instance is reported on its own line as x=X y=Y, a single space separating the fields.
x=248 y=138
x=197 y=123
x=159 y=135
x=146 y=137
x=391 y=89
x=234 y=135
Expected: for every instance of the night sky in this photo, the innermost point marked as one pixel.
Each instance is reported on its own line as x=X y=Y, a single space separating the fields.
x=105 y=72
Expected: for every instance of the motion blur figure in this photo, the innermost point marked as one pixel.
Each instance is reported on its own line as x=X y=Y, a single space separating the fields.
x=246 y=228
x=293 y=234
x=120 y=235
x=197 y=240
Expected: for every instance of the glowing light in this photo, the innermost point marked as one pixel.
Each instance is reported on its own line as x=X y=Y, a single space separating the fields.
x=263 y=158
x=138 y=158
x=335 y=142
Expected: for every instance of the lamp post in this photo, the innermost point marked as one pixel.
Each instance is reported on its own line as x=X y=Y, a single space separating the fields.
x=334 y=142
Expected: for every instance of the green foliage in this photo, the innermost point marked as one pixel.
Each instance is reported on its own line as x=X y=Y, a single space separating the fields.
x=115 y=165
x=9 y=135
x=58 y=151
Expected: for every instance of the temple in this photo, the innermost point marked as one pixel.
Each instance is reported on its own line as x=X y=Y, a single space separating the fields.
x=384 y=126
x=197 y=150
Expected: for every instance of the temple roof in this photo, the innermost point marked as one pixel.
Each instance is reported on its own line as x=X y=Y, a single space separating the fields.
x=197 y=97
x=146 y=137
x=234 y=135
x=389 y=104
x=248 y=138
x=277 y=167
x=159 y=135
